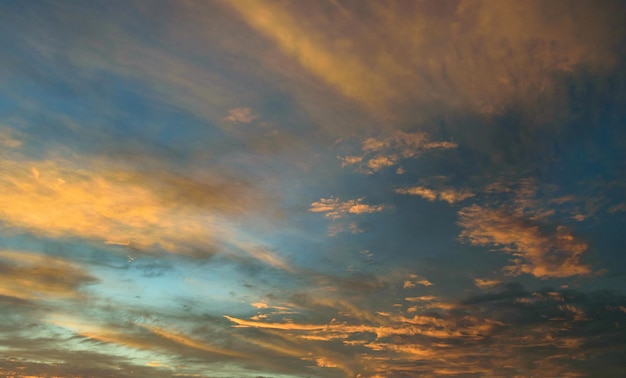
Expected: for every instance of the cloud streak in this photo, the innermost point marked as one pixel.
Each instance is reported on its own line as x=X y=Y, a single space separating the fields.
x=448 y=195
x=521 y=46
x=32 y=276
x=334 y=209
x=463 y=341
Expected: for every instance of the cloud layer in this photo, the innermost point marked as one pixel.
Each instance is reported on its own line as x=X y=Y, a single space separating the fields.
x=324 y=189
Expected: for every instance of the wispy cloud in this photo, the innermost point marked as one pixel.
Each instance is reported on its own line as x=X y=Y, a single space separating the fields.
x=415 y=280
x=537 y=250
x=335 y=209
x=485 y=283
x=457 y=334
x=446 y=194
x=34 y=276
x=388 y=151
x=240 y=115
x=9 y=138
x=190 y=342
x=154 y=158
x=340 y=48
x=98 y=199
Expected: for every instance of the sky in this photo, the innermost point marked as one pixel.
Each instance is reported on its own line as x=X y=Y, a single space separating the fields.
x=337 y=188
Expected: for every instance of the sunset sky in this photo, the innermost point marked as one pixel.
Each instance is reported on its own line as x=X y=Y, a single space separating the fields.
x=304 y=188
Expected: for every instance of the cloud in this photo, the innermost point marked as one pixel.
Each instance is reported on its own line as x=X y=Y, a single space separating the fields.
x=388 y=151
x=415 y=280
x=620 y=207
x=447 y=194
x=101 y=200
x=81 y=364
x=106 y=333
x=32 y=276
x=187 y=341
x=486 y=283
x=536 y=250
x=240 y=115
x=335 y=209
x=474 y=54
x=310 y=49
x=483 y=334
x=10 y=138
x=421 y=298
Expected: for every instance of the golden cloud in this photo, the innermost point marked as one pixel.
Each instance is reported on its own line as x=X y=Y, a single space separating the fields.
x=10 y=138
x=486 y=283
x=538 y=252
x=123 y=207
x=190 y=342
x=388 y=151
x=447 y=194
x=335 y=209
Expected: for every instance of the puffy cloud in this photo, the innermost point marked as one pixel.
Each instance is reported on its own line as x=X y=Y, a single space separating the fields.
x=537 y=250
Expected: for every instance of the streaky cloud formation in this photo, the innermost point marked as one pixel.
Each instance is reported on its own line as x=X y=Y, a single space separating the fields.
x=31 y=276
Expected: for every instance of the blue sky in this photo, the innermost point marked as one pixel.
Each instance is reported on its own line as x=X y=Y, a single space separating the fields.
x=312 y=189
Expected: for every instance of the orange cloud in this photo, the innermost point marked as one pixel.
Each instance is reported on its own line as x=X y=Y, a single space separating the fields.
x=415 y=280
x=389 y=151
x=99 y=332
x=187 y=341
x=335 y=65
x=537 y=252
x=421 y=298
x=475 y=54
x=240 y=115
x=122 y=207
x=283 y=326
x=335 y=209
x=449 y=195
x=486 y=283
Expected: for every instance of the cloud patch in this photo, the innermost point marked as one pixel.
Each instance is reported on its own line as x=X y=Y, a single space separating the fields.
x=379 y=153
x=32 y=276
x=240 y=115
x=448 y=195
x=334 y=209
x=536 y=249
